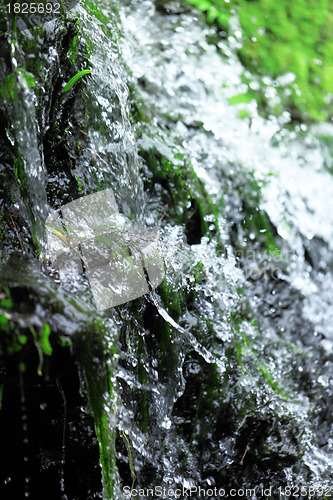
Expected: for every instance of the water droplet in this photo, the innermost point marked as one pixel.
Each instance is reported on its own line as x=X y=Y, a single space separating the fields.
x=166 y=424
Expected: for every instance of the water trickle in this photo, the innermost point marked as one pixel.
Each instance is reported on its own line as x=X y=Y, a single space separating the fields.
x=185 y=86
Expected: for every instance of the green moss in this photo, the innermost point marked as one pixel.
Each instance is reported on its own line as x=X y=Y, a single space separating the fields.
x=98 y=13
x=79 y=184
x=257 y=228
x=10 y=338
x=65 y=342
x=173 y=300
x=23 y=339
x=184 y=196
x=22 y=367
x=8 y=90
x=138 y=114
x=3 y=322
x=206 y=406
x=93 y=357
x=242 y=98
x=73 y=50
x=198 y=272
x=257 y=223
x=245 y=348
x=142 y=377
x=284 y=37
x=7 y=302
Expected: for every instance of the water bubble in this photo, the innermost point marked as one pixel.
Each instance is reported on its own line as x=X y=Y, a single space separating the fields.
x=166 y=423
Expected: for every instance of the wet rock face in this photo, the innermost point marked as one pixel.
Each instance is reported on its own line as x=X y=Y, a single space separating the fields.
x=47 y=429
x=264 y=339
x=49 y=444
x=29 y=17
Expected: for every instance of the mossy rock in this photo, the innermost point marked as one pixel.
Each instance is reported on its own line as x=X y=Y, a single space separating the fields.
x=282 y=39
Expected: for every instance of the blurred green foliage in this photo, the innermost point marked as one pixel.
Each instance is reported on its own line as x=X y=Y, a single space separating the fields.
x=281 y=37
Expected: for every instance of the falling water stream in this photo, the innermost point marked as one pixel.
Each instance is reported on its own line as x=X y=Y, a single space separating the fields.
x=222 y=376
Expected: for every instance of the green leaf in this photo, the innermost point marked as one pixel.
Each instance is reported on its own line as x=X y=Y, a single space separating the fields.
x=46 y=346
x=212 y=14
x=224 y=18
x=75 y=78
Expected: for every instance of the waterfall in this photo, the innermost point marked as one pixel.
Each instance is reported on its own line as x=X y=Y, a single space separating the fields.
x=219 y=378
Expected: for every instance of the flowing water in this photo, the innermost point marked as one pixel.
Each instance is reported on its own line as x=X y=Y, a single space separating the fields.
x=222 y=377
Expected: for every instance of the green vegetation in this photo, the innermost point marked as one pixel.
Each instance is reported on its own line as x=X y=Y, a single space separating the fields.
x=183 y=195
x=93 y=359
x=75 y=78
x=258 y=222
x=8 y=89
x=130 y=457
x=283 y=38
